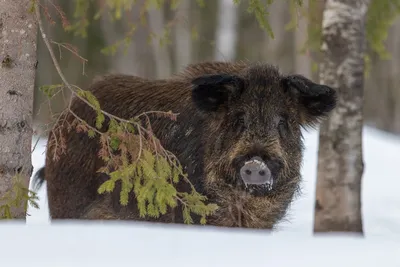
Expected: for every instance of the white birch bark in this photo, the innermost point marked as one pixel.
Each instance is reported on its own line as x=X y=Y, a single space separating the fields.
x=18 y=31
x=340 y=161
x=226 y=32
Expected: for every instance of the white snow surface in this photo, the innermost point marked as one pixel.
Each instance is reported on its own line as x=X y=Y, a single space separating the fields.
x=74 y=243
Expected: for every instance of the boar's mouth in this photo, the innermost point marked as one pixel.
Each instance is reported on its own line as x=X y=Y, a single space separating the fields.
x=259 y=190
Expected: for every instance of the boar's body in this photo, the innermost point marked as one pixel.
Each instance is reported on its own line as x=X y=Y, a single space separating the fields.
x=230 y=114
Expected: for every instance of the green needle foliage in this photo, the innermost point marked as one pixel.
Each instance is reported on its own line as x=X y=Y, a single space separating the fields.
x=134 y=156
x=17 y=196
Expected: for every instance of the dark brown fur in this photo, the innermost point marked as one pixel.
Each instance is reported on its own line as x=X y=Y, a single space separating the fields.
x=207 y=141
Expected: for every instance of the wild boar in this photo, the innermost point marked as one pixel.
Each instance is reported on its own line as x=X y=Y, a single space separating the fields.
x=238 y=137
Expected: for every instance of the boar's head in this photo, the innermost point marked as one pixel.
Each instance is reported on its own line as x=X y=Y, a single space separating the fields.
x=252 y=136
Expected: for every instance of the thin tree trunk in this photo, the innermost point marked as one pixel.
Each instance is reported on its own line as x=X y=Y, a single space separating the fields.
x=226 y=33
x=314 y=15
x=382 y=93
x=250 y=33
x=302 y=60
x=182 y=35
x=18 y=30
x=138 y=57
x=202 y=21
x=161 y=51
x=340 y=162
x=280 y=50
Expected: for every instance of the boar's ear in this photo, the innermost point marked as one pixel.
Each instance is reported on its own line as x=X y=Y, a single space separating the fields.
x=315 y=100
x=212 y=90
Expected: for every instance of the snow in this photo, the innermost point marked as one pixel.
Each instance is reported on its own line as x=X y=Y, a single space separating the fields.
x=73 y=243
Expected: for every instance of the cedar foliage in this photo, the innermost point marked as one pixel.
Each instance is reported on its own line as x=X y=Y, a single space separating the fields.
x=134 y=156
x=18 y=196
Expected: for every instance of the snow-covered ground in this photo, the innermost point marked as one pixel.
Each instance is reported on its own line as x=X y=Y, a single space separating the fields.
x=110 y=244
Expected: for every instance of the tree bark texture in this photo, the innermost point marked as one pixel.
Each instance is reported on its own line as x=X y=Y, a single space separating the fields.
x=226 y=33
x=340 y=161
x=18 y=31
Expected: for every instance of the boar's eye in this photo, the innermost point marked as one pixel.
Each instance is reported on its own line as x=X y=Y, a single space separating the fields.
x=283 y=127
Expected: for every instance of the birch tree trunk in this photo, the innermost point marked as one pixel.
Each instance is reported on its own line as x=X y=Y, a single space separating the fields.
x=226 y=31
x=18 y=31
x=340 y=161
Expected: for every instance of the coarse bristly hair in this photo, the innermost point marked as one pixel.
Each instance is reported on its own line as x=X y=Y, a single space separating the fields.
x=229 y=112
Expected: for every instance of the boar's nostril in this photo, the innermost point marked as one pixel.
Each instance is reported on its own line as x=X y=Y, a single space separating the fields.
x=262 y=172
x=248 y=172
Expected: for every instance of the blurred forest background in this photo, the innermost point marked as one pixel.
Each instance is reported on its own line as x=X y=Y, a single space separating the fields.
x=155 y=43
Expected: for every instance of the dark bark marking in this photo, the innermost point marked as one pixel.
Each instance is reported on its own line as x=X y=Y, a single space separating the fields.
x=14 y=92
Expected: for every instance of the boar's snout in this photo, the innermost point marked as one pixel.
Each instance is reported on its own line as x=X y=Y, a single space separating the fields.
x=256 y=172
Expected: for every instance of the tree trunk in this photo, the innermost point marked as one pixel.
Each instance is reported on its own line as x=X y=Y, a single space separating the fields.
x=138 y=57
x=182 y=35
x=340 y=162
x=18 y=30
x=202 y=21
x=226 y=31
x=382 y=93
x=302 y=63
x=280 y=50
x=161 y=51
x=314 y=16
x=249 y=33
